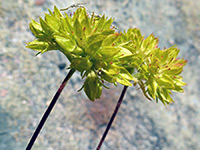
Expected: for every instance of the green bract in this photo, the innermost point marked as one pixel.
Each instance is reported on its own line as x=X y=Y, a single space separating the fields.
x=101 y=54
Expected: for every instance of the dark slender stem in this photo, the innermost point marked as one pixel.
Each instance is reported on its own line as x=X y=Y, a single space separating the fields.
x=48 y=111
x=113 y=117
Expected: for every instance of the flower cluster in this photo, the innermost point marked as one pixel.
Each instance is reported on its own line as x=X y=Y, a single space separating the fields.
x=158 y=71
x=100 y=53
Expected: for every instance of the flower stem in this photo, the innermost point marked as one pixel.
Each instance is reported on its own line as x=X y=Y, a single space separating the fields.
x=113 y=117
x=48 y=111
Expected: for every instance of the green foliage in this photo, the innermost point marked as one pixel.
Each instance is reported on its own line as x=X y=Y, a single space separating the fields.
x=101 y=54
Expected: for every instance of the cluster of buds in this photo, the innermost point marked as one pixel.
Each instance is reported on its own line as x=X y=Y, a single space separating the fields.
x=100 y=54
x=157 y=71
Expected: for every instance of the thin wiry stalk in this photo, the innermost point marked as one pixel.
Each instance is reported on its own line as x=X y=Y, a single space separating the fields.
x=113 y=117
x=48 y=111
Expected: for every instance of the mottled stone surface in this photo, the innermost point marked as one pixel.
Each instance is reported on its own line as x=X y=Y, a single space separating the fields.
x=28 y=83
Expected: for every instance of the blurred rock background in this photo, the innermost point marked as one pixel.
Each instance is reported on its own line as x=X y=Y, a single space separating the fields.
x=28 y=83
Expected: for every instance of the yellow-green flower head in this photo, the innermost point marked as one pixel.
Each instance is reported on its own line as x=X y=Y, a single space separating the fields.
x=89 y=42
x=158 y=71
x=161 y=74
